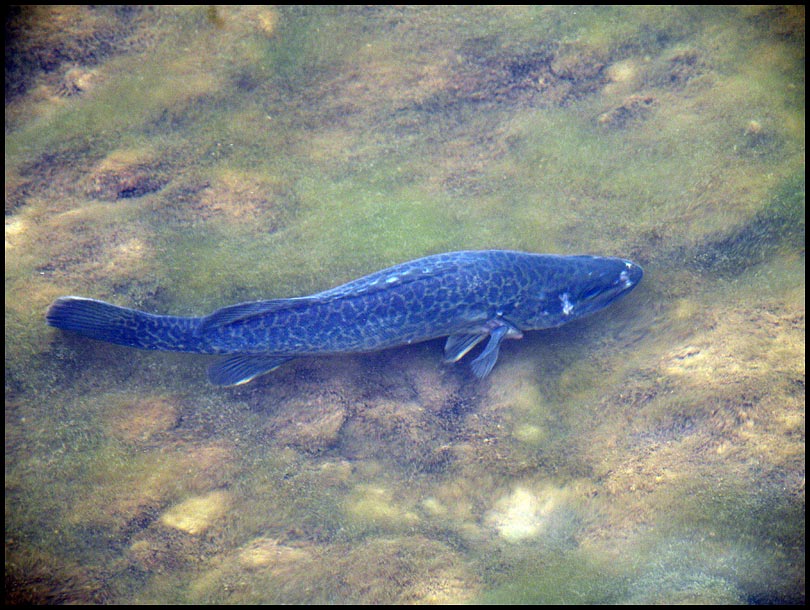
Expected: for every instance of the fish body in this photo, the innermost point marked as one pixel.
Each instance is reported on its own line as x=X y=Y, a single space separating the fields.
x=466 y=296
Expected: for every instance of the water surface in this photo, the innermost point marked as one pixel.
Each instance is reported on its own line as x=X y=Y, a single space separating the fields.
x=181 y=159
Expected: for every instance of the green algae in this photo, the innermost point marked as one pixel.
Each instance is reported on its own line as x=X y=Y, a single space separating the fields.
x=570 y=578
x=245 y=153
x=779 y=227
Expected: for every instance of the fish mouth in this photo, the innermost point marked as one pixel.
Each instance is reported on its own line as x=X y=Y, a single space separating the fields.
x=629 y=277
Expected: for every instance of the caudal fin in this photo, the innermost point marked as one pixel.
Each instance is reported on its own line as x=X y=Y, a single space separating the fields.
x=113 y=324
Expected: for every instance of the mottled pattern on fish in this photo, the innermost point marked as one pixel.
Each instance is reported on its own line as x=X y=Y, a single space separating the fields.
x=466 y=296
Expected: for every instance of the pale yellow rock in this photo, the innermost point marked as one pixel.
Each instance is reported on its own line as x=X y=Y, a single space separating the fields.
x=526 y=512
x=197 y=514
x=375 y=506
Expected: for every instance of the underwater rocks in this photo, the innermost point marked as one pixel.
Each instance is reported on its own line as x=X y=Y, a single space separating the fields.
x=402 y=431
x=195 y=515
x=530 y=512
x=48 y=39
x=279 y=559
x=310 y=424
x=125 y=174
x=539 y=75
x=77 y=80
x=632 y=108
x=130 y=493
x=241 y=197
x=386 y=570
x=778 y=226
x=372 y=507
x=142 y=419
x=406 y=570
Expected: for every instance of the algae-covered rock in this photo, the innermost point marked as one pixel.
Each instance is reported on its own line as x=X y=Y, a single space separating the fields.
x=528 y=512
x=679 y=588
x=372 y=507
x=141 y=418
x=279 y=559
x=126 y=173
x=406 y=570
x=128 y=492
x=310 y=423
x=633 y=108
x=195 y=515
x=400 y=430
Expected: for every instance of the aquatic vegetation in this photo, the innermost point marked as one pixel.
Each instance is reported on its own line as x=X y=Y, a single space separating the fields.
x=777 y=227
x=372 y=508
x=179 y=159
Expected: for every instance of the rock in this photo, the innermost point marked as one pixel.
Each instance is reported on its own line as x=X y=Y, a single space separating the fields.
x=279 y=559
x=632 y=108
x=406 y=570
x=124 y=174
x=372 y=507
x=195 y=515
x=311 y=423
x=526 y=513
x=142 y=419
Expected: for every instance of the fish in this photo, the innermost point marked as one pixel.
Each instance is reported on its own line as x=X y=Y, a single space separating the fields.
x=466 y=296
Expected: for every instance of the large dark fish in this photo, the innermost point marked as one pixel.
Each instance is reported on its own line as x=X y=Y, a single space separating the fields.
x=464 y=296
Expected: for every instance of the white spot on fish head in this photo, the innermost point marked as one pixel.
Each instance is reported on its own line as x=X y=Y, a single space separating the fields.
x=567 y=305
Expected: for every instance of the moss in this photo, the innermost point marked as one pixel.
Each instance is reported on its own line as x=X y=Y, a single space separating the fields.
x=572 y=577
x=776 y=227
x=240 y=152
x=337 y=222
x=372 y=508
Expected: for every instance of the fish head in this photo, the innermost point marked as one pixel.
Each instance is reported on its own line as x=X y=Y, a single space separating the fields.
x=571 y=287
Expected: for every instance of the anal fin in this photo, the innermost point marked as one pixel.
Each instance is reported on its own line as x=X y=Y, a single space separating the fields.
x=241 y=368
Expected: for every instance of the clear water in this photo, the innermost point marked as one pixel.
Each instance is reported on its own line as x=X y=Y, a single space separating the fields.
x=179 y=160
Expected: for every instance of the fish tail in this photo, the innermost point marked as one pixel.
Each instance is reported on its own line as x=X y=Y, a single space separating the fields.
x=113 y=324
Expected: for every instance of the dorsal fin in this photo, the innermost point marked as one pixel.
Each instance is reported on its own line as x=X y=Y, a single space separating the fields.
x=245 y=311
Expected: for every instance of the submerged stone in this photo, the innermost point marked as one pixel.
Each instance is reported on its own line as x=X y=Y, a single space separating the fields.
x=197 y=514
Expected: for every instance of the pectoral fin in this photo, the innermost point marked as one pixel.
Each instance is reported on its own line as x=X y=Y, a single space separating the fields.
x=483 y=364
x=241 y=368
x=496 y=329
